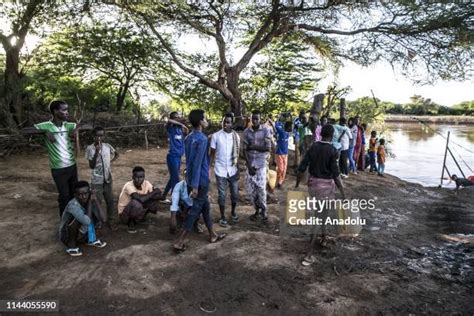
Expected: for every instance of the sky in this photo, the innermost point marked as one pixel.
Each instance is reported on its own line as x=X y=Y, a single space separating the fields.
x=390 y=86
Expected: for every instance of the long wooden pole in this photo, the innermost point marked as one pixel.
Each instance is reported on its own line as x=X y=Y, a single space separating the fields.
x=444 y=161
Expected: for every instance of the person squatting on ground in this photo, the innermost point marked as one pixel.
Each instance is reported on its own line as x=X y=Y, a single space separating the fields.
x=61 y=154
x=197 y=177
x=373 y=151
x=324 y=176
x=225 y=149
x=176 y=131
x=76 y=224
x=137 y=199
x=461 y=182
x=100 y=156
x=381 y=157
x=256 y=146
x=181 y=204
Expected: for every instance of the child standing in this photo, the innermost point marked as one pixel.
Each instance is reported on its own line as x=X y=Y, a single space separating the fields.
x=372 y=151
x=381 y=157
x=283 y=131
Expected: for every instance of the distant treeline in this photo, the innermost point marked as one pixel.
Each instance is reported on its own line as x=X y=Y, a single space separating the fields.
x=421 y=106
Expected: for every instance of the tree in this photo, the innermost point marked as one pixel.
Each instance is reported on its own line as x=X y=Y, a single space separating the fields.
x=368 y=109
x=285 y=77
x=21 y=16
x=118 y=54
x=404 y=33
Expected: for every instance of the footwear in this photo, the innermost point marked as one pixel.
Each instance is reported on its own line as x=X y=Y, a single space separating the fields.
x=131 y=230
x=223 y=223
x=178 y=249
x=235 y=219
x=74 y=252
x=218 y=238
x=98 y=244
x=98 y=225
x=307 y=261
x=165 y=201
x=344 y=176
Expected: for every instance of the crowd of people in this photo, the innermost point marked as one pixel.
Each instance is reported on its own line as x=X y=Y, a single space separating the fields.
x=329 y=152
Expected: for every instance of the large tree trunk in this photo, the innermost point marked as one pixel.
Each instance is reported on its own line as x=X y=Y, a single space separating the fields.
x=121 y=94
x=237 y=105
x=11 y=107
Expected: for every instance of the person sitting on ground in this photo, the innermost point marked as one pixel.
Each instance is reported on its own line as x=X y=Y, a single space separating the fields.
x=461 y=182
x=381 y=157
x=181 y=204
x=197 y=174
x=100 y=156
x=137 y=199
x=76 y=221
x=324 y=176
x=372 y=151
x=225 y=149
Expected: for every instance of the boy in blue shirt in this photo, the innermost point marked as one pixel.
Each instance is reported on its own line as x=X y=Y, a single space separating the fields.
x=282 y=130
x=197 y=176
x=176 y=131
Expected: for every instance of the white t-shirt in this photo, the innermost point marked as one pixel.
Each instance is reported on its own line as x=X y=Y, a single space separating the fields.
x=223 y=143
x=346 y=137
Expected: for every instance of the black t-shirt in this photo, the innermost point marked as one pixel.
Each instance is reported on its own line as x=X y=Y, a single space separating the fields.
x=322 y=161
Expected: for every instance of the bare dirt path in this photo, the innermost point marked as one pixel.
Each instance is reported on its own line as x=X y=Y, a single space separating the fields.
x=399 y=264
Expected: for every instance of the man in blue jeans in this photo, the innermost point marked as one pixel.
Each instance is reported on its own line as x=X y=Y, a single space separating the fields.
x=176 y=131
x=197 y=176
x=225 y=147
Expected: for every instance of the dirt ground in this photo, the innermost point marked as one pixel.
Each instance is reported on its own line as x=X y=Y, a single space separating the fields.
x=400 y=263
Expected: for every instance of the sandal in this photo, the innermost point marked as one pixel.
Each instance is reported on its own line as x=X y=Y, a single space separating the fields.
x=218 y=238
x=179 y=249
x=307 y=261
x=235 y=219
x=74 y=252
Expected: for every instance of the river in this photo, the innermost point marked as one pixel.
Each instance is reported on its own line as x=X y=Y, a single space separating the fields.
x=419 y=151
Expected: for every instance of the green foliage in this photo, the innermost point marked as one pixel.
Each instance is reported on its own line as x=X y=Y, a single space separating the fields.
x=115 y=55
x=419 y=105
x=284 y=79
x=369 y=110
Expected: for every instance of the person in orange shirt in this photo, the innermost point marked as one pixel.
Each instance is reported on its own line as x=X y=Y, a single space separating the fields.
x=381 y=157
x=372 y=151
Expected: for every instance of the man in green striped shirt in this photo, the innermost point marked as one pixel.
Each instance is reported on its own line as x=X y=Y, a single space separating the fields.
x=58 y=133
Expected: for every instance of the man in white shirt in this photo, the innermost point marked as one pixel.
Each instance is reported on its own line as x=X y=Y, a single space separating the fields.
x=344 y=138
x=225 y=147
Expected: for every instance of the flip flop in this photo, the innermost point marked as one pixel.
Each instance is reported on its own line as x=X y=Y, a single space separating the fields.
x=179 y=250
x=218 y=238
x=307 y=261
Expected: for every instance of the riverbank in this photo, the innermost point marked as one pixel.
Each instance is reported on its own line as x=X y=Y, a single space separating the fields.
x=431 y=119
x=404 y=261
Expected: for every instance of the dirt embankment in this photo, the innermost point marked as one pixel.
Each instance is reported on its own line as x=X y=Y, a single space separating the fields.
x=398 y=265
